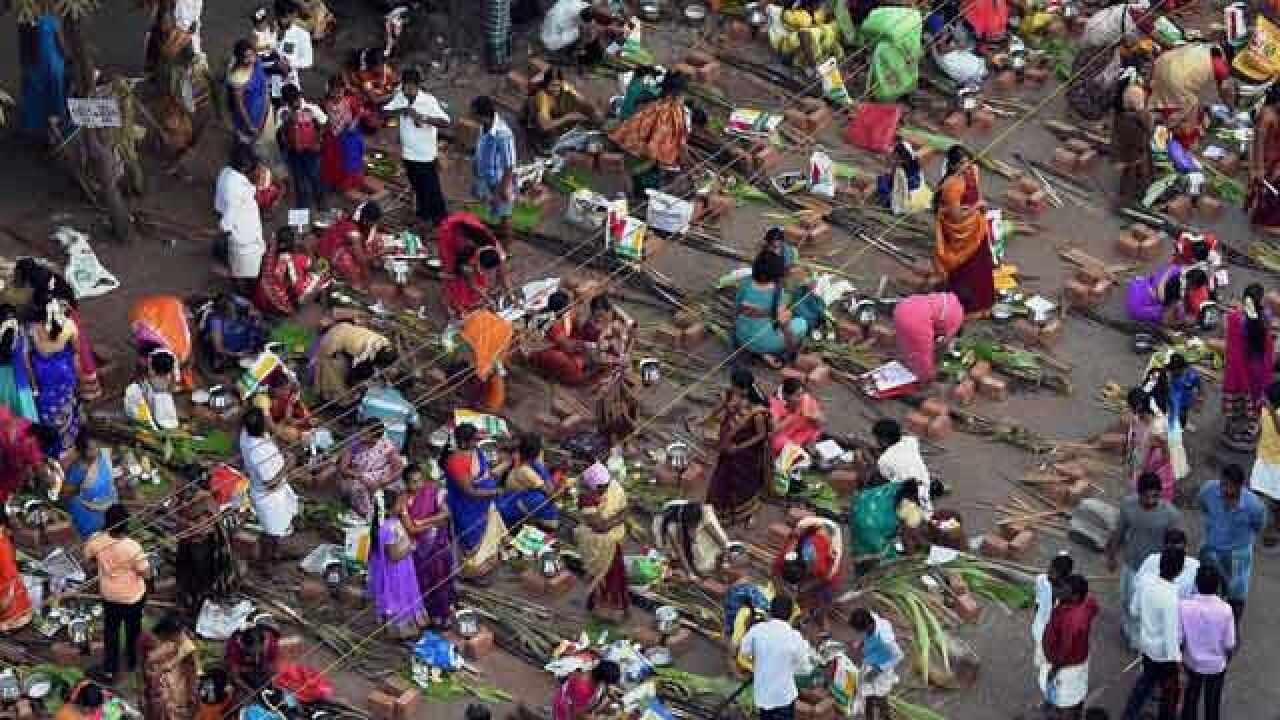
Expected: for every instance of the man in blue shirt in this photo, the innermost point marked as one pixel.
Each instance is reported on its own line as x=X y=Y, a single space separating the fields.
x=495 y=165
x=1233 y=518
x=384 y=402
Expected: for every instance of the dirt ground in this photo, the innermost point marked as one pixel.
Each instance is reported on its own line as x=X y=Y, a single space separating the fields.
x=34 y=200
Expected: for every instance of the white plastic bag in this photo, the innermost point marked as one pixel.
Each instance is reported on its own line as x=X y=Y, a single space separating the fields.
x=668 y=213
x=822 y=174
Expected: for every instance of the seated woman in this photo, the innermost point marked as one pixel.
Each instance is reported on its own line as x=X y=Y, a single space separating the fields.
x=809 y=564
x=962 y=251
x=89 y=488
x=903 y=189
x=528 y=487
x=232 y=330
x=286 y=280
x=1169 y=296
x=656 y=135
x=353 y=243
x=775 y=242
x=148 y=401
x=346 y=356
x=920 y=324
x=253 y=655
x=797 y=416
x=564 y=360
x=555 y=107
x=472 y=499
x=767 y=321
x=475 y=282
x=689 y=532
x=288 y=417
x=804 y=32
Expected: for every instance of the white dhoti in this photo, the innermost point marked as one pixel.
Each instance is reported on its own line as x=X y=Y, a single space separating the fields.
x=276 y=509
x=1069 y=687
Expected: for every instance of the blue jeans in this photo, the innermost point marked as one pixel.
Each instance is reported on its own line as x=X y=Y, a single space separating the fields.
x=304 y=173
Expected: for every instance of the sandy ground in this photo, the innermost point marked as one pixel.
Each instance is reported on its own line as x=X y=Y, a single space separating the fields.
x=33 y=201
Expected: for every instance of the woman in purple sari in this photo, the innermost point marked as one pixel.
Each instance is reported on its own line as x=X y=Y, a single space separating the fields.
x=393 y=580
x=426 y=517
x=51 y=366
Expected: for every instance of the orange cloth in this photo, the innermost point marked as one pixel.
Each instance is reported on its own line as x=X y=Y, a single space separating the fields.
x=163 y=317
x=957 y=240
x=122 y=565
x=15 y=605
x=656 y=132
x=489 y=337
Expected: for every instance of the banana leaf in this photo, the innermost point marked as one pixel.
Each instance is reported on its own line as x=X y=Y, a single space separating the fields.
x=903 y=710
x=1158 y=189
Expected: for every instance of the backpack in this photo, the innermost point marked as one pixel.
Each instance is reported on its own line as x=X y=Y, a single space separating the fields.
x=303 y=132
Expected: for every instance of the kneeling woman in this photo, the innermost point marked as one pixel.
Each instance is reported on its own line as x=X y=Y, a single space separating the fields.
x=346 y=356
x=768 y=321
x=353 y=243
x=1171 y=295
x=529 y=487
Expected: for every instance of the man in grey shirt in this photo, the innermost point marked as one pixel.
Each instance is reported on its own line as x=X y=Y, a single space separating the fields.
x=1144 y=518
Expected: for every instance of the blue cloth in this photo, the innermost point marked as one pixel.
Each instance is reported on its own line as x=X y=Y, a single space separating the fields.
x=386 y=403
x=44 y=82
x=741 y=596
x=470 y=514
x=56 y=380
x=1230 y=528
x=760 y=334
x=255 y=101
x=351 y=150
x=238 y=335
x=15 y=386
x=96 y=491
x=519 y=506
x=1234 y=566
x=879 y=651
x=1182 y=392
x=495 y=153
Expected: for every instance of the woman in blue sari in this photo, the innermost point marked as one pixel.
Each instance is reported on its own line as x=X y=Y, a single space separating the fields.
x=51 y=364
x=528 y=488
x=44 y=78
x=89 y=488
x=248 y=102
x=768 y=321
x=15 y=386
x=473 y=495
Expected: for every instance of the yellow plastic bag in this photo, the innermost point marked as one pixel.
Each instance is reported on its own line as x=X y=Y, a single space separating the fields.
x=1260 y=59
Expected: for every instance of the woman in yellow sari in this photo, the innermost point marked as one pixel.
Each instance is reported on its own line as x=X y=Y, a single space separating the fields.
x=962 y=248
x=170 y=671
x=603 y=511
x=15 y=605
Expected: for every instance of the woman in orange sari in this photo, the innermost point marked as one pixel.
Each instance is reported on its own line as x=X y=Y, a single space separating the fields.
x=564 y=360
x=962 y=248
x=487 y=338
x=656 y=136
x=15 y=605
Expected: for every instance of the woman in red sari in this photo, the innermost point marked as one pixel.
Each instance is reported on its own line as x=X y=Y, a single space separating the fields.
x=475 y=274
x=962 y=251
x=585 y=692
x=351 y=244
x=1247 y=371
x=286 y=280
x=342 y=155
x=564 y=360
x=15 y=605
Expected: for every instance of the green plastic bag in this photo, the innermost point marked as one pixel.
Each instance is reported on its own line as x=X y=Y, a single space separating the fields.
x=896 y=34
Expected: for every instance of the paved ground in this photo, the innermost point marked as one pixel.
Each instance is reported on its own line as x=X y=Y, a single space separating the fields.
x=32 y=200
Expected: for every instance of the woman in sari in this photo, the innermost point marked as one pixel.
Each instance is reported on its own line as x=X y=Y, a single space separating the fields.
x=602 y=506
x=530 y=489
x=160 y=322
x=44 y=76
x=15 y=605
x=373 y=77
x=368 y=465
x=51 y=365
x=608 y=331
x=1263 y=202
x=1146 y=439
x=15 y=385
x=487 y=339
x=342 y=154
x=426 y=517
x=22 y=451
x=1169 y=296
x=585 y=693
x=471 y=283
x=1247 y=372
x=346 y=356
x=656 y=137
x=393 y=579
x=288 y=416
x=89 y=488
x=768 y=321
x=170 y=670
x=797 y=416
x=353 y=243
x=473 y=494
x=690 y=533
x=920 y=322
x=810 y=564
x=286 y=280
x=903 y=189
x=962 y=248
x=249 y=103
x=745 y=464
x=45 y=283
x=1131 y=132
x=564 y=359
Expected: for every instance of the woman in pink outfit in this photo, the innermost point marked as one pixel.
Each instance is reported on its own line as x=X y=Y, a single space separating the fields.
x=918 y=322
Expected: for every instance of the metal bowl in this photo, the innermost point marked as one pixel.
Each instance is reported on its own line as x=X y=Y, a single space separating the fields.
x=650 y=11
x=1144 y=343
x=1001 y=313
x=695 y=13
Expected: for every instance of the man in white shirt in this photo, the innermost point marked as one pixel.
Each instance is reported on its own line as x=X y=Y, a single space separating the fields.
x=778 y=652
x=294 y=47
x=235 y=200
x=1174 y=541
x=420 y=116
x=1155 y=605
x=900 y=459
x=575 y=31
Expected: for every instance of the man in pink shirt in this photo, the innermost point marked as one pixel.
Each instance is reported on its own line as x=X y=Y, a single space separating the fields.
x=1208 y=639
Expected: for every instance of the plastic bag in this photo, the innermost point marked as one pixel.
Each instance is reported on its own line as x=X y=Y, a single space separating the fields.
x=833 y=87
x=435 y=651
x=844 y=684
x=822 y=176
x=1260 y=58
x=873 y=126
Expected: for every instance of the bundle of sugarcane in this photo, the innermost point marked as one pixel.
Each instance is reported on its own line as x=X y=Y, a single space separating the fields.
x=371 y=657
x=1066 y=131
x=1018 y=436
x=1032 y=510
x=1031 y=367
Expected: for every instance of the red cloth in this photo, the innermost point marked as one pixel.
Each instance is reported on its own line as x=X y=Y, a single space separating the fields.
x=874 y=126
x=275 y=293
x=306 y=683
x=988 y=18
x=335 y=246
x=573 y=697
x=1066 y=637
x=554 y=362
x=19 y=451
x=449 y=238
x=800 y=431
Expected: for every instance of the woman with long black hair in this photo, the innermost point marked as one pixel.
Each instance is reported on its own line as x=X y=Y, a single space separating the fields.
x=745 y=464
x=1248 y=369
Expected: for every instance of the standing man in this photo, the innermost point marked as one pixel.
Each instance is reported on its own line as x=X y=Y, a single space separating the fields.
x=495 y=165
x=1208 y=639
x=1144 y=518
x=301 y=129
x=295 y=47
x=1175 y=541
x=1048 y=588
x=1233 y=517
x=420 y=117
x=1064 y=676
x=777 y=652
x=235 y=200
x=1155 y=605
x=880 y=655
